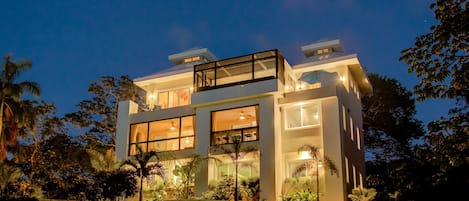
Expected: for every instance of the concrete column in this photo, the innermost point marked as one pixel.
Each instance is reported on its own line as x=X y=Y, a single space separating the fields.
x=202 y=144
x=124 y=110
x=267 y=149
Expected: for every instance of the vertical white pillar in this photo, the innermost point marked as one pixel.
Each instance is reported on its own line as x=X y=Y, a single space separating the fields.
x=124 y=110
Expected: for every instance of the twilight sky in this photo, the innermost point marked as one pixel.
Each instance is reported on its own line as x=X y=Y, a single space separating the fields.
x=74 y=42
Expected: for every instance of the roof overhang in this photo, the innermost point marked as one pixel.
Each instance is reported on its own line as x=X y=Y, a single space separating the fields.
x=359 y=74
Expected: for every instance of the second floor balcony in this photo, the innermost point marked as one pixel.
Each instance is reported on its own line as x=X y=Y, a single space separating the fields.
x=239 y=70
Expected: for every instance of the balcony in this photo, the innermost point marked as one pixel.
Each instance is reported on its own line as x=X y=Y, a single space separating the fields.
x=239 y=70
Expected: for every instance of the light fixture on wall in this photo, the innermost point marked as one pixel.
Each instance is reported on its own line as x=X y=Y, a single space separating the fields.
x=241 y=115
x=172 y=126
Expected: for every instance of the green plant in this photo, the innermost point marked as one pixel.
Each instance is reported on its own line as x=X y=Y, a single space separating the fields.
x=187 y=173
x=301 y=195
x=235 y=151
x=362 y=194
x=314 y=163
x=144 y=163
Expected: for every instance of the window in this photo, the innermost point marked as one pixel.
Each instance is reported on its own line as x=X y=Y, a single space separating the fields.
x=351 y=128
x=361 y=180
x=248 y=166
x=302 y=116
x=174 y=98
x=354 y=175
x=163 y=135
x=358 y=139
x=242 y=122
x=347 y=174
x=192 y=59
x=344 y=119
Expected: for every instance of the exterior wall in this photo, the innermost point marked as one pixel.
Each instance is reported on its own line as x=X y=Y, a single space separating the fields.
x=333 y=148
x=235 y=92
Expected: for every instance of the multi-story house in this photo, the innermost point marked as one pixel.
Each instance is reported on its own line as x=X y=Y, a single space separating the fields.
x=202 y=102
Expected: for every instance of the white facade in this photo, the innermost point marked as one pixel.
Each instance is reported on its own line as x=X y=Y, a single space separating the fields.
x=271 y=105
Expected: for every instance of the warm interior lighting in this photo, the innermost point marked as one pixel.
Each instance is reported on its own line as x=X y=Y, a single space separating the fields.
x=152 y=96
x=320 y=164
x=172 y=126
x=187 y=140
x=342 y=78
x=241 y=115
x=316 y=116
x=304 y=155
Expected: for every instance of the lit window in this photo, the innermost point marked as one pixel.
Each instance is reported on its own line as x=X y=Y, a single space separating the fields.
x=358 y=139
x=354 y=174
x=344 y=119
x=174 y=98
x=361 y=180
x=302 y=116
x=192 y=59
x=347 y=174
x=241 y=122
x=163 y=135
x=351 y=127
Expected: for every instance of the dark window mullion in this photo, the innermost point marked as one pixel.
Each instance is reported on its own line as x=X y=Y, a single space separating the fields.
x=148 y=134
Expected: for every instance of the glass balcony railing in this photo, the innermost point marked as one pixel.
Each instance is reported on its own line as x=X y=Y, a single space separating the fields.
x=239 y=70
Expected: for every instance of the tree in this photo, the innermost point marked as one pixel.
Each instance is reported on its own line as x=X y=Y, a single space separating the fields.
x=144 y=163
x=10 y=96
x=440 y=57
x=362 y=194
x=236 y=151
x=8 y=174
x=440 y=61
x=188 y=170
x=316 y=158
x=103 y=162
x=98 y=116
x=389 y=122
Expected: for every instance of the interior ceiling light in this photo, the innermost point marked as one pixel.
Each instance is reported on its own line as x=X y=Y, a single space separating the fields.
x=241 y=115
x=172 y=126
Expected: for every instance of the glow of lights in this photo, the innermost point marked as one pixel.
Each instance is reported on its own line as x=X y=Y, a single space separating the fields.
x=342 y=78
x=304 y=155
x=152 y=96
x=241 y=115
x=316 y=116
x=187 y=140
x=320 y=165
x=172 y=126
x=299 y=104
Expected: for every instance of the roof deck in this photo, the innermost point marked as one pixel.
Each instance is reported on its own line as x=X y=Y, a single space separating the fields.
x=239 y=70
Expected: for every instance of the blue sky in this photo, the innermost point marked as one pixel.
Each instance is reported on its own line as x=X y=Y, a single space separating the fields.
x=72 y=43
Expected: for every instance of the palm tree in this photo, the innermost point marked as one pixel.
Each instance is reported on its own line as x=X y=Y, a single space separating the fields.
x=315 y=161
x=189 y=169
x=236 y=152
x=103 y=162
x=144 y=162
x=10 y=95
x=362 y=194
x=8 y=174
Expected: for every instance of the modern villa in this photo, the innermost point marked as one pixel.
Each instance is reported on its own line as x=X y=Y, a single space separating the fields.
x=264 y=101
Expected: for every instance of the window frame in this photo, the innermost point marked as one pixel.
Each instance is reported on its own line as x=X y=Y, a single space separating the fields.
x=285 y=109
x=148 y=141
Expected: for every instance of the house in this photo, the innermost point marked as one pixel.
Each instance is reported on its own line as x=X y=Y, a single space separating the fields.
x=269 y=104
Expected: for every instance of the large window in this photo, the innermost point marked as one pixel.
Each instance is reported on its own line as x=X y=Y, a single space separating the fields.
x=174 y=98
x=227 y=124
x=302 y=116
x=163 y=135
x=248 y=166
